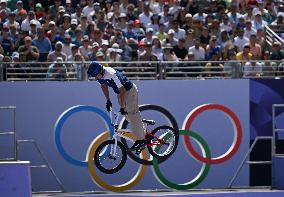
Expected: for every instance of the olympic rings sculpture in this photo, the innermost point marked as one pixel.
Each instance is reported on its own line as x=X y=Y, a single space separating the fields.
x=186 y=131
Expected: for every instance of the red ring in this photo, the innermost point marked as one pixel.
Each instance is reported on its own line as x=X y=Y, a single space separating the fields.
x=237 y=128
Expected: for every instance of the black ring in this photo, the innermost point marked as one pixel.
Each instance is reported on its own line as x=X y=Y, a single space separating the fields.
x=145 y=107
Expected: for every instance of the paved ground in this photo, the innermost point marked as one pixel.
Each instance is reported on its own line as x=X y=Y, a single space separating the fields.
x=191 y=193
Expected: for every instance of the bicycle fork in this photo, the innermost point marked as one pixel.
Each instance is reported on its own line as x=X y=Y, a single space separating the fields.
x=113 y=148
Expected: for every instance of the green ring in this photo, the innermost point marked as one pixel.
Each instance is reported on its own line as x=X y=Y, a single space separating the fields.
x=199 y=178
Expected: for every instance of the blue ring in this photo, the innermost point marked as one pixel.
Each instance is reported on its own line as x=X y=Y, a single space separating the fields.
x=60 y=122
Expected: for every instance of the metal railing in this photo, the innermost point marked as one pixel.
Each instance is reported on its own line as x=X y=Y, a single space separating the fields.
x=272 y=34
x=74 y=71
x=46 y=163
x=244 y=161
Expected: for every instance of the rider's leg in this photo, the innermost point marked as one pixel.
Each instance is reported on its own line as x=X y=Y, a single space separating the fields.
x=134 y=116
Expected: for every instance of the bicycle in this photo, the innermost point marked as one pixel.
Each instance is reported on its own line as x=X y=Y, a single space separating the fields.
x=115 y=152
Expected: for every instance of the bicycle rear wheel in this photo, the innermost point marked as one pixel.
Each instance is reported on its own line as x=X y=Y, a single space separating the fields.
x=164 y=137
x=111 y=163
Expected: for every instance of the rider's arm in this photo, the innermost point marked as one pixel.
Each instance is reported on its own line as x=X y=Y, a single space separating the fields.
x=105 y=91
x=122 y=96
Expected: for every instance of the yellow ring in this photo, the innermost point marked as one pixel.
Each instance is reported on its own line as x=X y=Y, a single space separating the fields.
x=115 y=188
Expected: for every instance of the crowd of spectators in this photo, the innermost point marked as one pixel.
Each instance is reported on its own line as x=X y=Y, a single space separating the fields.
x=145 y=30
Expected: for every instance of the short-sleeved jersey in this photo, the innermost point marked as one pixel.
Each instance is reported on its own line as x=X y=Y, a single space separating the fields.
x=115 y=79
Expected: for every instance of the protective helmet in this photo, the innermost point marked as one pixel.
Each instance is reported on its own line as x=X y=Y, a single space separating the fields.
x=95 y=68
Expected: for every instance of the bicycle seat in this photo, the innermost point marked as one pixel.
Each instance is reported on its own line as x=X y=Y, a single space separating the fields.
x=150 y=122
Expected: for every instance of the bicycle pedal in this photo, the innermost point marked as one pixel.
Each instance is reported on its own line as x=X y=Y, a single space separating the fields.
x=138 y=151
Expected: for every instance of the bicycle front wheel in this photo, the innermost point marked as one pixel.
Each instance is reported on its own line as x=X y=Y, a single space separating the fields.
x=162 y=142
x=113 y=162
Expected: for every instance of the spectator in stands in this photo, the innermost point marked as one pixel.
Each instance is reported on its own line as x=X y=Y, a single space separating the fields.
x=145 y=17
x=74 y=50
x=128 y=31
x=29 y=52
x=104 y=46
x=253 y=69
x=33 y=29
x=73 y=26
x=180 y=50
x=66 y=21
x=68 y=7
x=179 y=33
x=240 y=41
x=225 y=24
x=67 y=45
x=148 y=55
x=204 y=37
x=271 y=13
x=89 y=8
x=268 y=67
x=149 y=35
x=92 y=54
x=42 y=43
x=255 y=48
x=168 y=54
x=157 y=47
x=57 y=70
x=279 y=20
x=231 y=67
x=197 y=50
x=277 y=53
x=97 y=36
x=189 y=39
x=141 y=48
x=258 y=22
x=79 y=67
x=6 y=42
x=77 y=14
x=130 y=12
x=11 y=21
x=25 y=26
x=52 y=56
x=170 y=38
x=187 y=23
x=138 y=30
x=15 y=67
x=155 y=23
x=39 y=11
x=54 y=9
x=214 y=69
x=51 y=32
x=213 y=48
x=85 y=49
x=248 y=29
x=83 y=25
x=14 y=35
x=114 y=53
x=201 y=16
x=78 y=40
x=234 y=15
x=244 y=55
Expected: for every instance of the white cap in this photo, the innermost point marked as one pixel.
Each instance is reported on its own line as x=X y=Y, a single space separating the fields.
x=33 y=22
x=15 y=55
x=59 y=59
x=3 y=1
x=149 y=30
x=74 y=21
x=171 y=31
x=105 y=42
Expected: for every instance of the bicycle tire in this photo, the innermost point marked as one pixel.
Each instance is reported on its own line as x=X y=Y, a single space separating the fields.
x=145 y=107
x=173 y=147
x=97 y=160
